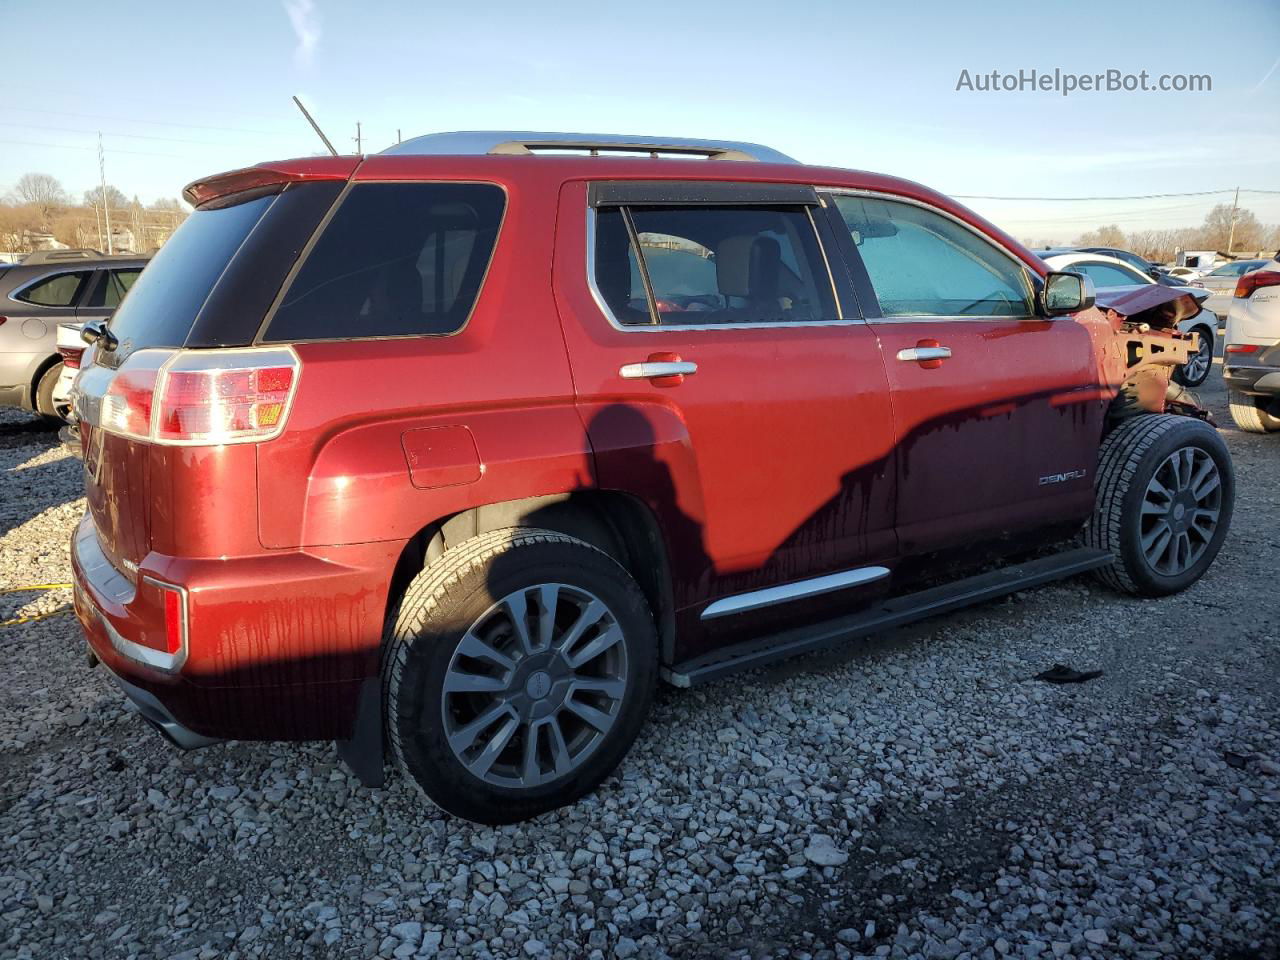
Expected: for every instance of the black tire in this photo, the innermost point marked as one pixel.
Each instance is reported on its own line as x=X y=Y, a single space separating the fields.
x=455 y=592
x=1250 y=414
x=44 y=395
x=1129 y=459
x=1204 y=345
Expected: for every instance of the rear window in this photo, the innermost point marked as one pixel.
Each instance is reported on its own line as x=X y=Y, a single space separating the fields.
x=112 y=287
x=396 y=260
x=162 y=305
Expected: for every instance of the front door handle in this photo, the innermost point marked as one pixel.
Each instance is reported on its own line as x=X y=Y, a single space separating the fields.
x=664 y=369
x=929 y=354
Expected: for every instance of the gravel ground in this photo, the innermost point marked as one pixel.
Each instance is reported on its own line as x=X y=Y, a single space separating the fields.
x=915 y=795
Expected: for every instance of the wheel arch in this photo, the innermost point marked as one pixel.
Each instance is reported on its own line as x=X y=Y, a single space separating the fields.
x=618 y=523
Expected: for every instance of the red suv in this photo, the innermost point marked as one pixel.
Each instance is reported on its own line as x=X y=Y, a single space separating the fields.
x=453 y=451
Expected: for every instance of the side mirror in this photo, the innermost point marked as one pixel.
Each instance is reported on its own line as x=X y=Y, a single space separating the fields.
x=1065 y=293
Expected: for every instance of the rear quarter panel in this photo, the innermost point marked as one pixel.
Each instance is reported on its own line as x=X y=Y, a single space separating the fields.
x=341 y=472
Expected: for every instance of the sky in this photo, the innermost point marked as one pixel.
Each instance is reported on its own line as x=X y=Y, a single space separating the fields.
x=180 y=90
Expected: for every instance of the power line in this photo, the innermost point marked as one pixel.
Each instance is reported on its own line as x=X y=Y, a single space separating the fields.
x=1145 y=196
x=75 y=146
x=154 y=123
x=111 y=133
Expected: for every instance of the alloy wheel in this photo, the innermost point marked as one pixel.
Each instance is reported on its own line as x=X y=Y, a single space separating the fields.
x=1197 y=365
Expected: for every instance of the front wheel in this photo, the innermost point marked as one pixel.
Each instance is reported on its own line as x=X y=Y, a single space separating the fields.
x=1164 y=497
x=517 y=673
x=1196 y=370
x=44 y=405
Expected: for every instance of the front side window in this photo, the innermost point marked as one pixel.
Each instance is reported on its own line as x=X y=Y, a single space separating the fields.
x=396 y=260
x=56 y=291
x=923 y=264
x=711 y=265
x=1105 y=274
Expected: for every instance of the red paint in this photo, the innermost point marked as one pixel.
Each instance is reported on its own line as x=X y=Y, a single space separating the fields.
x=791 y=452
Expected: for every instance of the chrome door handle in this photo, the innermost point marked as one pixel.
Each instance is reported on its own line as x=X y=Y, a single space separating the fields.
x=925 y=353
x=650 y=369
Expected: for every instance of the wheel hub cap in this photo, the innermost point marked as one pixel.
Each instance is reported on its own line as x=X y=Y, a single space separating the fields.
x=1180 y=511
x=534 y=685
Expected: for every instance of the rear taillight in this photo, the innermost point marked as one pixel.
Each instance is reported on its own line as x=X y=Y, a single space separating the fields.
x=1241 y=348
x=71 y=356
x=1256 y=280
x=202 y=397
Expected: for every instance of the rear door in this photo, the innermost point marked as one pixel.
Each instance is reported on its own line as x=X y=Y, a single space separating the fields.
x=721 y=378
x=995 y=409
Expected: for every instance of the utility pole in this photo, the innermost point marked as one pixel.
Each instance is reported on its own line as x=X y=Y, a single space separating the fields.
x=1232 y=235
x=398 y=140
x=102 y=178
x=359 y=141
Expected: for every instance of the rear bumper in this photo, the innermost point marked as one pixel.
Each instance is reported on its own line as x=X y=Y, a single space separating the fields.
x=149 y=707
x=276 y=646
x=1253 y=379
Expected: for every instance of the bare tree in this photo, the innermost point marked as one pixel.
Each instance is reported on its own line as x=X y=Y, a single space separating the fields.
x=1108 y=236
x=1216 y=232
x=43 y=192
x=115 y=199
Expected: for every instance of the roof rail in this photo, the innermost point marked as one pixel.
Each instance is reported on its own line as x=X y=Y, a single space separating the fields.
x=526 y=143
x=57 y=256
x=67 y=256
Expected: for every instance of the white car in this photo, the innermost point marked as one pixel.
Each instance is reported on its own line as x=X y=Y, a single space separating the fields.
x=1251 y=357
x=71 y=348
x=1107 y=271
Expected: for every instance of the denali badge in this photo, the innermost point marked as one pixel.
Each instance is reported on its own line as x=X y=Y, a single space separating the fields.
x=1062 y=477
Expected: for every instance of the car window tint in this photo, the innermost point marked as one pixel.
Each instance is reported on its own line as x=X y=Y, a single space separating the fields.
x=396 y=259
x=1105 y=274
x=712 y=265
x=56 y=291
x=924 y=264
x=112 y=288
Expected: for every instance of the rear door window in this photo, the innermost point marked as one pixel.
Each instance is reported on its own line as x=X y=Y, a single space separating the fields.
x=711 y=265
x=60 y=290
x=395 y=260
x=924 y=264
x=112 y=287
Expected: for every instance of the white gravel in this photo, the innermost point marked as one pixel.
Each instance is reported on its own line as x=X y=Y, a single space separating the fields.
x=915 y=795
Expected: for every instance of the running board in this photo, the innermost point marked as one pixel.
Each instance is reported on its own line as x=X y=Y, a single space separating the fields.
x=892 y=613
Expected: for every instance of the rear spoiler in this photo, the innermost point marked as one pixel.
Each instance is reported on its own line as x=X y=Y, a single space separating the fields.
x=201 y=192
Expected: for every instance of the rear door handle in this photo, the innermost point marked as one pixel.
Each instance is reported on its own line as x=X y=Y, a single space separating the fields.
x=925 y=353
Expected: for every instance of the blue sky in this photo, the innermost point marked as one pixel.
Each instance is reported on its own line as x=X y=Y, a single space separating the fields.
x=180 y=90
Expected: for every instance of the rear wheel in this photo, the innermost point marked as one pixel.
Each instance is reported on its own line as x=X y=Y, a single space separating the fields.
x=44 y=394
x=1250 y=413
x=1164 y=498
x=517 y=673
x=1196 y=370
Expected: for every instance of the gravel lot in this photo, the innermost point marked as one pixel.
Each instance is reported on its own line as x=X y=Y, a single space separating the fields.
x=914 y=795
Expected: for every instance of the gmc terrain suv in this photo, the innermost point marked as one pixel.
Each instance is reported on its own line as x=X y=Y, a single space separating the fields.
x=453 y=451
x=48 y=288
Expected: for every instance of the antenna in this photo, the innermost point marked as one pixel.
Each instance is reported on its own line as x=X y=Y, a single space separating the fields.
x=315 y=126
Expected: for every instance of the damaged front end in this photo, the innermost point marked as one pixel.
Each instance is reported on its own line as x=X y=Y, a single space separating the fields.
x=1144 y=348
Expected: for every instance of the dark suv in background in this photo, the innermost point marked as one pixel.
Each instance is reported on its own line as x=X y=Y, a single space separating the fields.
x=47 y=288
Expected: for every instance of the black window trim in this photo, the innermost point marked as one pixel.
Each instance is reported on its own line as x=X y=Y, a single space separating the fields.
x=745 y=194
x=698 y=193
x=862 y=279
x=304 y=254
x=16 y=294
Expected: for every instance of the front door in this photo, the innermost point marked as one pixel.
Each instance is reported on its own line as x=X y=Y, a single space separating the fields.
x=722 y=381
x=995 y=408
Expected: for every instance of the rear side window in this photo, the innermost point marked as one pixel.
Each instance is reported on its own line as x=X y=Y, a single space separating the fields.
x=1105 y=274
x=162 y=305
x=112 y=288
x=711 y=265
x=395 y=260
x=924 y=264
x=57 y=291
